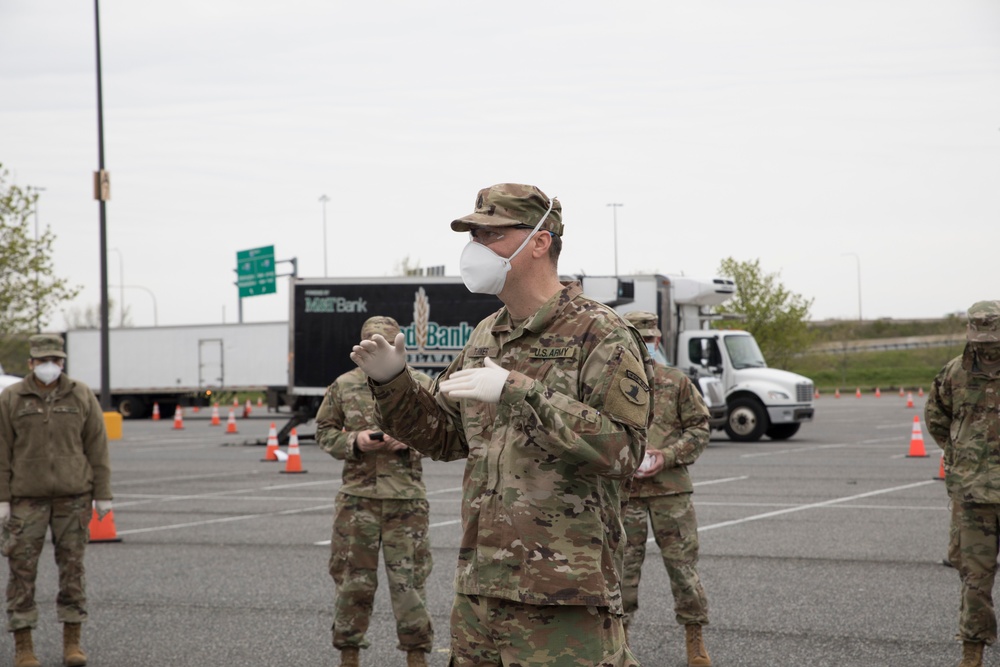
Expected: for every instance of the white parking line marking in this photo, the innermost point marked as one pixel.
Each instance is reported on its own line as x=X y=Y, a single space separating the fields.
x=245 y=517
x=721 y=481
x=825 y=503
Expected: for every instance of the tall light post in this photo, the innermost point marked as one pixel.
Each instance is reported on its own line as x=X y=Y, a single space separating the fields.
x=102 y=193
x=858 y=260
x=38 y=303
x=121 y=285
x=614 y=212
x=323 y=200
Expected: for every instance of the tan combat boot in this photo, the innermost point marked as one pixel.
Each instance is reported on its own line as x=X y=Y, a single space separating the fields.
x=24 y=649
x=349 y=657
x=416 y=659
x=972 y=654
x=73 y=655
x=697 y=653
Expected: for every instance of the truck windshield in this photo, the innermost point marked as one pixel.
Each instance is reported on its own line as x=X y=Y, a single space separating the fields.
x=744 y=353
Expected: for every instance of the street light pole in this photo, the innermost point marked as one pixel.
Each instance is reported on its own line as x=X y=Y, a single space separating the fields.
x=858 y=260
x=102 y=194
x=323 y=200
x=614 y=212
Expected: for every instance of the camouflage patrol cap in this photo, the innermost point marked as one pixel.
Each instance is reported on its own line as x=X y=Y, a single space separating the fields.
x=646 y=322
x=380 y=324
x=46 y=345
x=984 y=322
x=512 y=204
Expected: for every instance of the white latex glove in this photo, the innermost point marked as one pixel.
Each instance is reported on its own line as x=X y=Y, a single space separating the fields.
x=4 y=511
x=380 y=360
x=480 y=384
x=102 y=507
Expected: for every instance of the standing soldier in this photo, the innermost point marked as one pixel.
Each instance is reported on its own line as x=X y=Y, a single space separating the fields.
x=548 y=403
x=963 y=416
x=53 y=463
x=662 y=490
x=382 y=500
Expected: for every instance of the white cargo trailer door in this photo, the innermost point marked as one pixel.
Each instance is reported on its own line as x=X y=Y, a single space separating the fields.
x=211 y=369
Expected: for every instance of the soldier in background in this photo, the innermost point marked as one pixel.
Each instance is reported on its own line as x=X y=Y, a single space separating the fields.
x=382 y=501
x=963 y=417
x=662 y=490
x=53 y=464
x=548 y=403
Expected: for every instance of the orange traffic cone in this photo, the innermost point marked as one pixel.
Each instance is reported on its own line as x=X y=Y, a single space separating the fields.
x=103 y=530
x=272 y=445
x=878 y=393
x=940 y=475
x=816 y=394
x=909 y=400
x=920 y=391
x=156 y=411
x=215 y=415
x=196 y=409
x=917 y=440
x=901 y=392
x=246 y=409
x=857 y=393
x=260 y=402
x=836 y=394
x=294 y=463
x=231 y=422
x=178 y=419
x=236 y=403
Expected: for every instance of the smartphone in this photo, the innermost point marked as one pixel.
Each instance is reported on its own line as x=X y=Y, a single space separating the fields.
x=377 y=435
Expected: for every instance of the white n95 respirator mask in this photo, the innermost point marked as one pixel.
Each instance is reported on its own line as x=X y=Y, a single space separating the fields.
x=48 y=372
x=484 y=271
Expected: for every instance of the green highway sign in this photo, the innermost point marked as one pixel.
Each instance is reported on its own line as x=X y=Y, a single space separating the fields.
x=255 y=271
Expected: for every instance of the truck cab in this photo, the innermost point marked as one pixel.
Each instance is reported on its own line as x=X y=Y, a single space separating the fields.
x=761 y=400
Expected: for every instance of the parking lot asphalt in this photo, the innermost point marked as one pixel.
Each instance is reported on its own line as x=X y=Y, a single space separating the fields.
x=820 y=550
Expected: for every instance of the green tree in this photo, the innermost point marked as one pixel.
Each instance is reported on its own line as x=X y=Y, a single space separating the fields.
x=30 y=292
x=776 y=317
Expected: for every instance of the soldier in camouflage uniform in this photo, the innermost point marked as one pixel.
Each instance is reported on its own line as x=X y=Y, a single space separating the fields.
x=662 y=490
x=382 y=500
x=548 y=403
x=53 y=462
x=963 y=416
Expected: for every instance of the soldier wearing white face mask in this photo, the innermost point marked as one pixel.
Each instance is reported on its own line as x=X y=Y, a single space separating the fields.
x=53 y=463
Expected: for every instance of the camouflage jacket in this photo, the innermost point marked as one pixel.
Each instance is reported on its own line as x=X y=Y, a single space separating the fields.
x=679 y=429
x=548 y=466
x=963 y=416
x=348 y=407
x=52 y=443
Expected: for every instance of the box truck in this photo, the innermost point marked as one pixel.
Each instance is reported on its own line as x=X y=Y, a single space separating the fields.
x=760 y=400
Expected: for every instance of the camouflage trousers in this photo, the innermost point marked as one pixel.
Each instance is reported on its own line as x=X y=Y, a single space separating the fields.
x=21 y=541
x=490 y=632
x=978 y=530
x=954 y=551
x=675 y=529
x=360 y=527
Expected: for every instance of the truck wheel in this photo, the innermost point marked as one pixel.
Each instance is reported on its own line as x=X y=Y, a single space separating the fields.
x=131 y=407
x=782 y=431
x=747 y=420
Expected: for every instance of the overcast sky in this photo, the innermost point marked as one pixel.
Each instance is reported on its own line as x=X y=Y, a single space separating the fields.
x=815 y=137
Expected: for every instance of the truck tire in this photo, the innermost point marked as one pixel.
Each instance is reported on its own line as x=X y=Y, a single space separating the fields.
x=782 y=431
x=747 y=420
x=132 y=407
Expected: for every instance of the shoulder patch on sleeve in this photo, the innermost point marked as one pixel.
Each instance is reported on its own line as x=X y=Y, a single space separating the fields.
x=628 y=396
